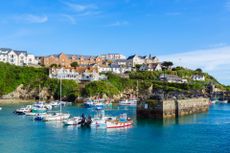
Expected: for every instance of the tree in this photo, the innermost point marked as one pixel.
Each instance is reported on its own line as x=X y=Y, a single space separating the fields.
x=53 y=65
x=137 y=66
x=199 y=70
x=74 y=64
x=167 y=64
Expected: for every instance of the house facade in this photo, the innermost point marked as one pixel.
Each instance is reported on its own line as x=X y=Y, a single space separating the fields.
x=172 y=78
x=65 y=60
x=198 y=77
x=79 y=74
x=150 y=67
x=62 y=73
x=118 y=69
x=139 y=60
x=113 y=56
x=19 y=58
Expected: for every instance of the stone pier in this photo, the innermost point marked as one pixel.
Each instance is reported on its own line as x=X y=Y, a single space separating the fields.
x=172 y=108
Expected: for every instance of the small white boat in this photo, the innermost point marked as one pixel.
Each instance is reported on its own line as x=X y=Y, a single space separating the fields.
x=72 y=121
x=0 y=108
x=40 y=117
x=128 y=102
x=222 y=101
x=122 y=121
x=100 y=120
x=33 y=113
x=111 y=122
x=56 y=117
x=55 y=103
x=213 y=101
x=42 y=105
x=23 y=110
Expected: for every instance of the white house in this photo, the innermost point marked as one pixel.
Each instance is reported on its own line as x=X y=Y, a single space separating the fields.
x=19 y=58
x=104 y=69
x=150 y=67
x=113 y=56
x=172 y=78
x=73 y=74
x=32 y=60
x=139 y=60
x=122 y=62
x=63 y=73
x=198 y=77
x=92 y=76
x=134 y=60
x=118 y=69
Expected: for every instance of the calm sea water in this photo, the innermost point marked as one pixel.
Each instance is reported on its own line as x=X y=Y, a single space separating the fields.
x=204 y=133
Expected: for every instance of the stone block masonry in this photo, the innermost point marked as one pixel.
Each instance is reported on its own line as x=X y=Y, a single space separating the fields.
x=173 y=108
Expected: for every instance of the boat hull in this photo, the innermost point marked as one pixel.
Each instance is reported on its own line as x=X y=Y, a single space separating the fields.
x=119 y=125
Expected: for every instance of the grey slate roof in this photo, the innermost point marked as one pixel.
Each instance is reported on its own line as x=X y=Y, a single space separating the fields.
x=7 y=50
x=131 y=57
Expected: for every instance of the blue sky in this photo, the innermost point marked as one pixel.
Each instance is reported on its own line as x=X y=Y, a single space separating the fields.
x=170 y=29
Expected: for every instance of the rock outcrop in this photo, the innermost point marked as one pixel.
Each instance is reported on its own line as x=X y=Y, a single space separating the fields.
x=22 y=92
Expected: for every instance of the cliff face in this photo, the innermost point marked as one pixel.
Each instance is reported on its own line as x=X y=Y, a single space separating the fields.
x=22 y=92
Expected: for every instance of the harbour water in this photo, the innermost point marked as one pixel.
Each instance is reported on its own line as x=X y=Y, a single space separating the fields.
x=205 y=133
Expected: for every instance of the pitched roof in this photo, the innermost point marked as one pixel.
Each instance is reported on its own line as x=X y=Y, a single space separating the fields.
x=7 y=50
x=131 y=57
x=20 y=52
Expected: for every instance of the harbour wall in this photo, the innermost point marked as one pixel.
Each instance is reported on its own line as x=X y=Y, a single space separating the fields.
x=172 y=108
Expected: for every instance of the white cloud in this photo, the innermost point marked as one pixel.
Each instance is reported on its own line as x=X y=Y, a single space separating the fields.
x=82 y=10
x=118 y=24
x=213 y=60
x=30 y=18
x=80 y=7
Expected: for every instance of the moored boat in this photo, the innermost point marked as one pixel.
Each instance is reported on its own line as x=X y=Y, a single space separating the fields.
x=122 y=121
x=56 y=117
x=72 y=121
x=40 y=116
x=222 y=101
x=89 y=103
x=33 y=113
x=128 y=102
x=23 y=110
x=55 y=103
x=60 y=116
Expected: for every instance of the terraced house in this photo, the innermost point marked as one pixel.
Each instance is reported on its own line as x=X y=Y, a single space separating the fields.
x=139 y=60
x=65 y=60
x=16 y=57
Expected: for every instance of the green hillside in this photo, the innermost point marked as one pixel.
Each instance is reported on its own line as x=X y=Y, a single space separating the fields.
x=12 y=76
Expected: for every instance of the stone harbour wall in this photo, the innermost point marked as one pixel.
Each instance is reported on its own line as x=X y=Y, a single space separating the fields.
x=174 y=108
x=191 y=106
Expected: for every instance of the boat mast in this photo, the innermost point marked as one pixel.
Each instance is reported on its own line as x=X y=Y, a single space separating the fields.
x=39 y=92
x=137 y=89
x=60 y=95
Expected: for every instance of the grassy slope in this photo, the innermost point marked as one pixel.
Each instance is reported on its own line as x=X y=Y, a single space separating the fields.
x=12 y=76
